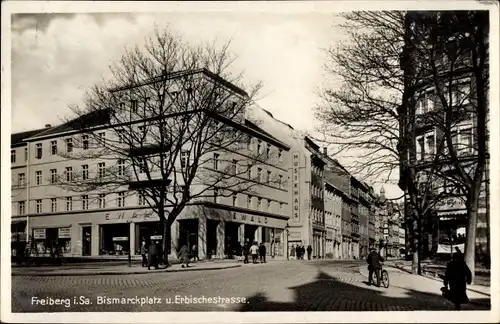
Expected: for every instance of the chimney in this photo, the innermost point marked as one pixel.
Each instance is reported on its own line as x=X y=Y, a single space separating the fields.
x=48 y=125
x=325 y=151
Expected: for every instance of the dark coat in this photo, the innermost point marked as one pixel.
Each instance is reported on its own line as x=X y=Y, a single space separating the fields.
x=246 y=249
x=262 y=249
x=457 y=275
x=184 y=253
x=374 y=261
x=152 y=250
x=309 y=249
x=144 y=250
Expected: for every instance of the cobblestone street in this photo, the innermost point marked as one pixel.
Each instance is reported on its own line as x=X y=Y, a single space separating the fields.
x=275 y=286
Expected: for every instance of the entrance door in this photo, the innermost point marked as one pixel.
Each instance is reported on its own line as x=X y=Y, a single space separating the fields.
x=86 y=240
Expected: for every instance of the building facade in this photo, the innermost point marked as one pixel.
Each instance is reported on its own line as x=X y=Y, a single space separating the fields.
x=112 y=223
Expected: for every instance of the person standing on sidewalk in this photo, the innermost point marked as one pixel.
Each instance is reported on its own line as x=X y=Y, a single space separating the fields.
x=374 y=260
x=309 y=252
x=262 y=252
x=254 y=250
x=184 y=256
x=144 y=252
x=457 y=276
x=246 y=251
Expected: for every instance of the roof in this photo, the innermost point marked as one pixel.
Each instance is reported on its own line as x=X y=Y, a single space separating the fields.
x=254 y=127
x=92 y=119
x=178 y=74
x=17 y=138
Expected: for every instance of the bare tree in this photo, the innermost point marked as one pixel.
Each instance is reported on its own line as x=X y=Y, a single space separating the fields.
x=375 y=110
x=177 y=116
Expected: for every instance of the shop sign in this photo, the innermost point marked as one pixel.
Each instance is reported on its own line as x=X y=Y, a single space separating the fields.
x=39 y=233
x=120 y=239
x=64 y=232
x=135 y=215
x=249 y=218
x=156 y=237
x=296 y=186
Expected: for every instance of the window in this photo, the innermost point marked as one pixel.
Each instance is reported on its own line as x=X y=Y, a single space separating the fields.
x=249 y=172
x=280 y=155
x=21 y=179
x=234 y=165
x=53 y=175
x=85 y=142
x=140 y=199
x=85 y=202
x=101 y=170
x=184 y=159
x=268 y=206
x=12 y=156
x=22 y=207
x=121 y=199
x=146 y=100
x=420 y=148
x=141 y=130
x=25 y=154
x=235 y=199
x=53 y=205
x=259 y=203
x=102 y=201
x=38 y=206
x=216 y=161
x=268 y=150
x=133 y=106
x=466 y=140
x=430 y=149
x=142 y=165
x=280 y=181
x=85 y=172
x=38 y=178
x=102 y=139
x=38 y=151
x=53 y=147
x=121 y=167
x=69 y=145
x=69 y=203
x=119 y=134
x=259 y=146
x=69 y=174
x=249 y=142
x=121 y=105
x=259 y=174
x=269 y=176
x=249 y=202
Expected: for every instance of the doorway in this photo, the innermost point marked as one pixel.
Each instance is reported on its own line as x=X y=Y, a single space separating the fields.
x=86 y=240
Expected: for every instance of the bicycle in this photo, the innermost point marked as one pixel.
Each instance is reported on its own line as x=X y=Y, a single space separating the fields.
x=384 y=278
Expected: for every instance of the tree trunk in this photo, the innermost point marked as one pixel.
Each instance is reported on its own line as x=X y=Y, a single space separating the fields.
x=166 y=241
x=470 y=245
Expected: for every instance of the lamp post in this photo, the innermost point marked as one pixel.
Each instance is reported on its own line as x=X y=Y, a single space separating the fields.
x=130 y=247
x=286 y=250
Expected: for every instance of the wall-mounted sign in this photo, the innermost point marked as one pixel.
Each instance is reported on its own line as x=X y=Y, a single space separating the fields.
x=156 y=237
x=39 y=233
x=120 y=239
x=249 y=218
x=64 y=232
x=296 y=186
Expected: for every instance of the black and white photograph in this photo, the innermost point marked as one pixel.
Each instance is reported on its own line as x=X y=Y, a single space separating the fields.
x=250 y=161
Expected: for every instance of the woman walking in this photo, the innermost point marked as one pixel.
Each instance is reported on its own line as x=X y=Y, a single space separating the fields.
x=457 y=276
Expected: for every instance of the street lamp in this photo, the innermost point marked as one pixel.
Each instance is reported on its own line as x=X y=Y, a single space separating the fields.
x=129 y=247
x=287 y=231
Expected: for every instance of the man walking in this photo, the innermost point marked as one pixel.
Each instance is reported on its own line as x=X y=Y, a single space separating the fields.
x=144 y=252
x=262 y=252
x=254 y=250
x=457 y=276
x=246 y=251
x=374 y=265
x=309 y=252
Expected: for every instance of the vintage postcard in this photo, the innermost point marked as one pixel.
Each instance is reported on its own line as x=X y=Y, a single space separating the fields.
x=260 y=161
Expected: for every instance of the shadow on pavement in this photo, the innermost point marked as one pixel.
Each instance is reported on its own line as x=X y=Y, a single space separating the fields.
x=327 y=293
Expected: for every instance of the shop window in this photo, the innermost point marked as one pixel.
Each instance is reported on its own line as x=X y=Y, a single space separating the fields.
x=147 y=231
x=114 y=239
x=52 y=241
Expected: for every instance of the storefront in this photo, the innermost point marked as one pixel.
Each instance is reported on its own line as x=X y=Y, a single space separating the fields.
x=114 y=239
x=52 y=241
x=148 y=232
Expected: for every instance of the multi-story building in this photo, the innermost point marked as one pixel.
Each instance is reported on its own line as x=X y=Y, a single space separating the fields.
x=333 y=210
x=109 y=223
x=452 y=61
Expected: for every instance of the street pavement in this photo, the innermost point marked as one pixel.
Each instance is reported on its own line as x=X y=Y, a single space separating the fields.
x=275 y=286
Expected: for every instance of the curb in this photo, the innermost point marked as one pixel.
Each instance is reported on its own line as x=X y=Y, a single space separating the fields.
x=110 y=273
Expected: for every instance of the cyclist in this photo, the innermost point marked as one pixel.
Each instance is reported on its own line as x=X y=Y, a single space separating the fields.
x=374 y=260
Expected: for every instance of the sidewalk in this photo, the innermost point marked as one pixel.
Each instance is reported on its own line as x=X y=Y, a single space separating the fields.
x=404 y=282
x=118 y=269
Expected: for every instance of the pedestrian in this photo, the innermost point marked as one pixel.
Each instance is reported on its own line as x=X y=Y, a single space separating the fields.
x=159 y=253
x=246 y=251
x=457 y=276
x=302 y=252
x=374 y=260
x=254 y=250
x=184 y=256
x=239 y=252
x=152 y=256
x=292 y=252
x=262 y=252
x=309 y=252
x=144 y=252
x=297 y=251
x=194 y=253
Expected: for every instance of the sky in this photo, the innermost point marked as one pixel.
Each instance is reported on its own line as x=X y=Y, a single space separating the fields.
x=56 y=57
